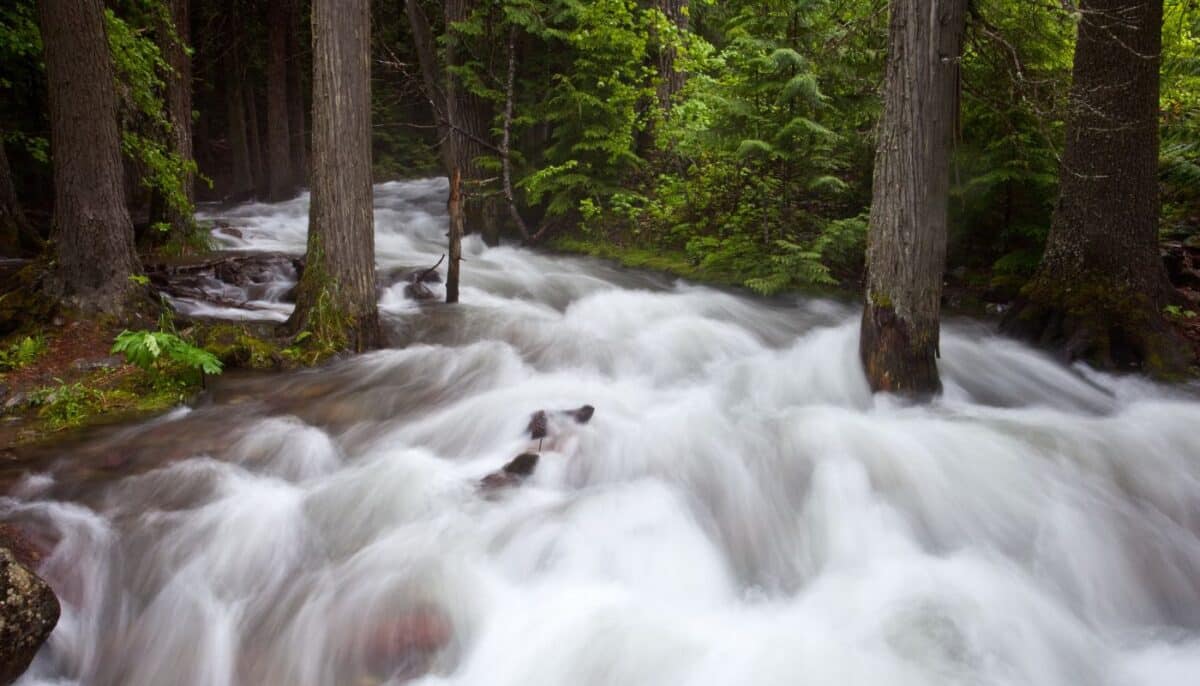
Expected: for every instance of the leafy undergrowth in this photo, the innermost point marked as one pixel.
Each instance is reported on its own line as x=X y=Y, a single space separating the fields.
x=85 y=372
x=675 y=262
x=64 y=376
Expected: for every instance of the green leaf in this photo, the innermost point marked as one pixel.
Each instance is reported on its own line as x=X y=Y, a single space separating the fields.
x=754 y=148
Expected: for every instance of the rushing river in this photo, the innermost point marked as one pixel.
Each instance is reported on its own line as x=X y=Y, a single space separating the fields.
x=739 y=511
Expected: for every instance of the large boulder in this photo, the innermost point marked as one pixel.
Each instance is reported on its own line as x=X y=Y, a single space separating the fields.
x=28 y=612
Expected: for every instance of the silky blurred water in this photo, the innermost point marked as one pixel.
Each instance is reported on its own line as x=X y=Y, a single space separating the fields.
x=740 y=510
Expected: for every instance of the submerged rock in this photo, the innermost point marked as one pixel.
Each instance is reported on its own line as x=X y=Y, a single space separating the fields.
x=539 y=422
x=522 y=466
x=404 y=647
x=28 y=612
x=511 y=474
x=418 y=291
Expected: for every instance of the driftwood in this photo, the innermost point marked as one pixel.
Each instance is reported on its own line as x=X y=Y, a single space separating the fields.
x=416 y=288
x=194 y=279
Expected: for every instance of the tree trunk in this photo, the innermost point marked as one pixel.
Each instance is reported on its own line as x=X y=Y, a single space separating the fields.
x=179 y=109
x=469 y=118
x=672 y=79
x=1100 y=290
x=92 y=233
x=456 y=232
x=431 y=71
x=297 y=127
x=279 y=141
x=906 y=244
x=336 y=297
x=240 y=155
x=258 y=164
x=506 y=138
x=16 y=233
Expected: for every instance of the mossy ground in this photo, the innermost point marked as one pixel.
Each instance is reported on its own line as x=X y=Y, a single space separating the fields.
x=73 y=381
x=242 y=346
x=674 y=262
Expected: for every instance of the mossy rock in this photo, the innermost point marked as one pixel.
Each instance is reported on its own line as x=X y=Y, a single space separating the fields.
x=28 y=613
x=245 y=346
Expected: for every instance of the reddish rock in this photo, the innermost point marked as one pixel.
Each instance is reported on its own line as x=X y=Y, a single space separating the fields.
x=405 y=645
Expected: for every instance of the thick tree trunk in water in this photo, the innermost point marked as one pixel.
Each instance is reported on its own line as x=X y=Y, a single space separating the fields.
x=456 y=232
x=297 y=127
x=431 y=75
x=15 y=230
x=906 y=245
x=469 y=118
x=241 y=175
x=92 y=233
x=1101 y=288
x=279 y=141
x=336 y=297
x=179 y=107
x=672 y=79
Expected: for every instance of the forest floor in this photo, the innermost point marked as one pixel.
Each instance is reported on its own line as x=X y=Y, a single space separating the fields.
x=62 y=376
x=58 y=371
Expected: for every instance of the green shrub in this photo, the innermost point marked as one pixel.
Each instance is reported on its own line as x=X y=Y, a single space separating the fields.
x=155 y=351
x=22 y=353
x=66 y=404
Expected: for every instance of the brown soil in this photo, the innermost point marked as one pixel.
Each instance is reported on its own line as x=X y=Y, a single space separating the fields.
x=77 y=350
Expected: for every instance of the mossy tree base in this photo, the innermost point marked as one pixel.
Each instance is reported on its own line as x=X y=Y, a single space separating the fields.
x=897 y=356
x=325 y=324
x=1104 y=325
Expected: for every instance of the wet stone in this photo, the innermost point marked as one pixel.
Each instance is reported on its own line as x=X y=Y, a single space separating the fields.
x=92 y=365
x=28 y=613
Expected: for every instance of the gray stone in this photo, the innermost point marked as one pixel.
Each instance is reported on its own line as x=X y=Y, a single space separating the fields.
x=102 y=363
x=28 y=612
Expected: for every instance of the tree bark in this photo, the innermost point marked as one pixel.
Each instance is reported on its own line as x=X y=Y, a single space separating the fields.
x=297 y=127
x=906 y=244
x=506 y=138
x=16 y=232
x=431 y=76
x=671 y=79
x=456 y=233
x=240 y=156
x=469 y=118
x=173 y=42
x=279 y=141
x=92 y=233
x=1100 y=290
x=336 y=297
x=258 y=163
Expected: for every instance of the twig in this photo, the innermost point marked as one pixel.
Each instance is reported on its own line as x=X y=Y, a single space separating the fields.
x=421 y=278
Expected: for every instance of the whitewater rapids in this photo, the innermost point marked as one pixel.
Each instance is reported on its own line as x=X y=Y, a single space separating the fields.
x=740 y=511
